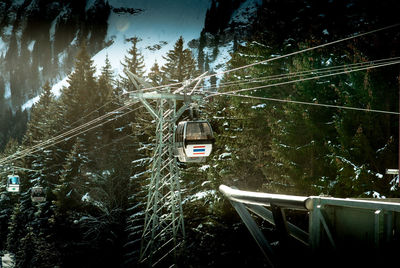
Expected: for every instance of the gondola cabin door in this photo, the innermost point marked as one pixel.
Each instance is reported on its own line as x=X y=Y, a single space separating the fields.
x=13 y=183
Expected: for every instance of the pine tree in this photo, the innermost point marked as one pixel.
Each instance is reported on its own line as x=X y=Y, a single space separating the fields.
x=21 y=219
x=105 y=82
x=40 y=128
x=155 y=74
x=201 y=56
x=200 y=60
x=180 y=64
x=364 y=147
x=134 y=62
x=26 y=249
x=81 y=96
x=74 y=180
x=105 y=88
x=40 y=124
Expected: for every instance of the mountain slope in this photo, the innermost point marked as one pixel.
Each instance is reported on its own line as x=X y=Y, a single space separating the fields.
x=38 y=42
x=158 y=24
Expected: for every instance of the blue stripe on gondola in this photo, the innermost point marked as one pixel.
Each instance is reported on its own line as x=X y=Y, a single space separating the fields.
x=199 y=150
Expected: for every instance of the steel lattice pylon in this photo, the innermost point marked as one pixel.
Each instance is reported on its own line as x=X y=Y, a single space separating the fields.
x=164 y=227
x=164 y=231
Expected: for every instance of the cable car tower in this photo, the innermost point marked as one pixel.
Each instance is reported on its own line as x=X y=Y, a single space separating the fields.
x=164 y=231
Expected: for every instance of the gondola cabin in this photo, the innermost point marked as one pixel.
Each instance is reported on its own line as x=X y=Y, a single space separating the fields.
x=194 y=140
x=13 y=183
x=37 y=194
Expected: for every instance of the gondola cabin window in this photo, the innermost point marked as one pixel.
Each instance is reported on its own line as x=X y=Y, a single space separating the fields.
x=198 y=131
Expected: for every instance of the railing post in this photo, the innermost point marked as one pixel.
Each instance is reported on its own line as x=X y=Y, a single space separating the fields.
x=315 y=225
x=280 y=224
x=255 y=232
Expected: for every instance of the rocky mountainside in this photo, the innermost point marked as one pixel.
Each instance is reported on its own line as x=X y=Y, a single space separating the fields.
x=39 y=39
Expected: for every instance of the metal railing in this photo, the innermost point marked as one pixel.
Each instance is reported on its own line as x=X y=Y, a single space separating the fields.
x=333 y=223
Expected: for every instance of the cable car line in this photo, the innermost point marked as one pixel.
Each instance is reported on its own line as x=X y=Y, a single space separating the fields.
x=224 y=72
x=22 y=169
x=283 y=56
x=120 y=139
x=303 y=50
x=275 y=58
x=314 y=104
x=56 y=142
x=23 y=153
x=316 y=72
x=297 y=74
x=65 y=136
x=313 y=71
x=300 y=80
x=29 y=150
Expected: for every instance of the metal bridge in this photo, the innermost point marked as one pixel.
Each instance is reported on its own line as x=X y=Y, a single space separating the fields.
x=339 y=232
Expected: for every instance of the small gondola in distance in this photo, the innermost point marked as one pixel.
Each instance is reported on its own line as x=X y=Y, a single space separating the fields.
x=13 y=183
x=38 y=194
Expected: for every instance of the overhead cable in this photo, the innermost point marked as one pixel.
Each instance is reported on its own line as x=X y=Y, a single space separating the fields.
x=302 y=51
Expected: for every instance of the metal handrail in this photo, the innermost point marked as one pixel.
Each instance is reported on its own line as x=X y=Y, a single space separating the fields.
x=265 y=199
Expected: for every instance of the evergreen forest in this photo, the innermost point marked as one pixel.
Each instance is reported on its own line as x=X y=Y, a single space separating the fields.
x=293 y=130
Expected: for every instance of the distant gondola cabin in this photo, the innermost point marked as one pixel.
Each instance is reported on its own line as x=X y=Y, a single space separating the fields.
x=13 y=183
x=194 y=140
x=37 y=194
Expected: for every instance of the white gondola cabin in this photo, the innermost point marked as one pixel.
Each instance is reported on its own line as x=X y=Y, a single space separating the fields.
x=37 y=194
x=194 y=140
x=13 y=183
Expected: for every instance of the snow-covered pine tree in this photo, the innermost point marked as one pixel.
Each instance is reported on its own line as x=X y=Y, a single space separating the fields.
x=40 y=126
x=80 y=101
x=21 y=219
x=74 y=179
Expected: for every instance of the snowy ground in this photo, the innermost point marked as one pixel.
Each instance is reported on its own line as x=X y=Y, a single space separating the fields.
x=7 y=261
